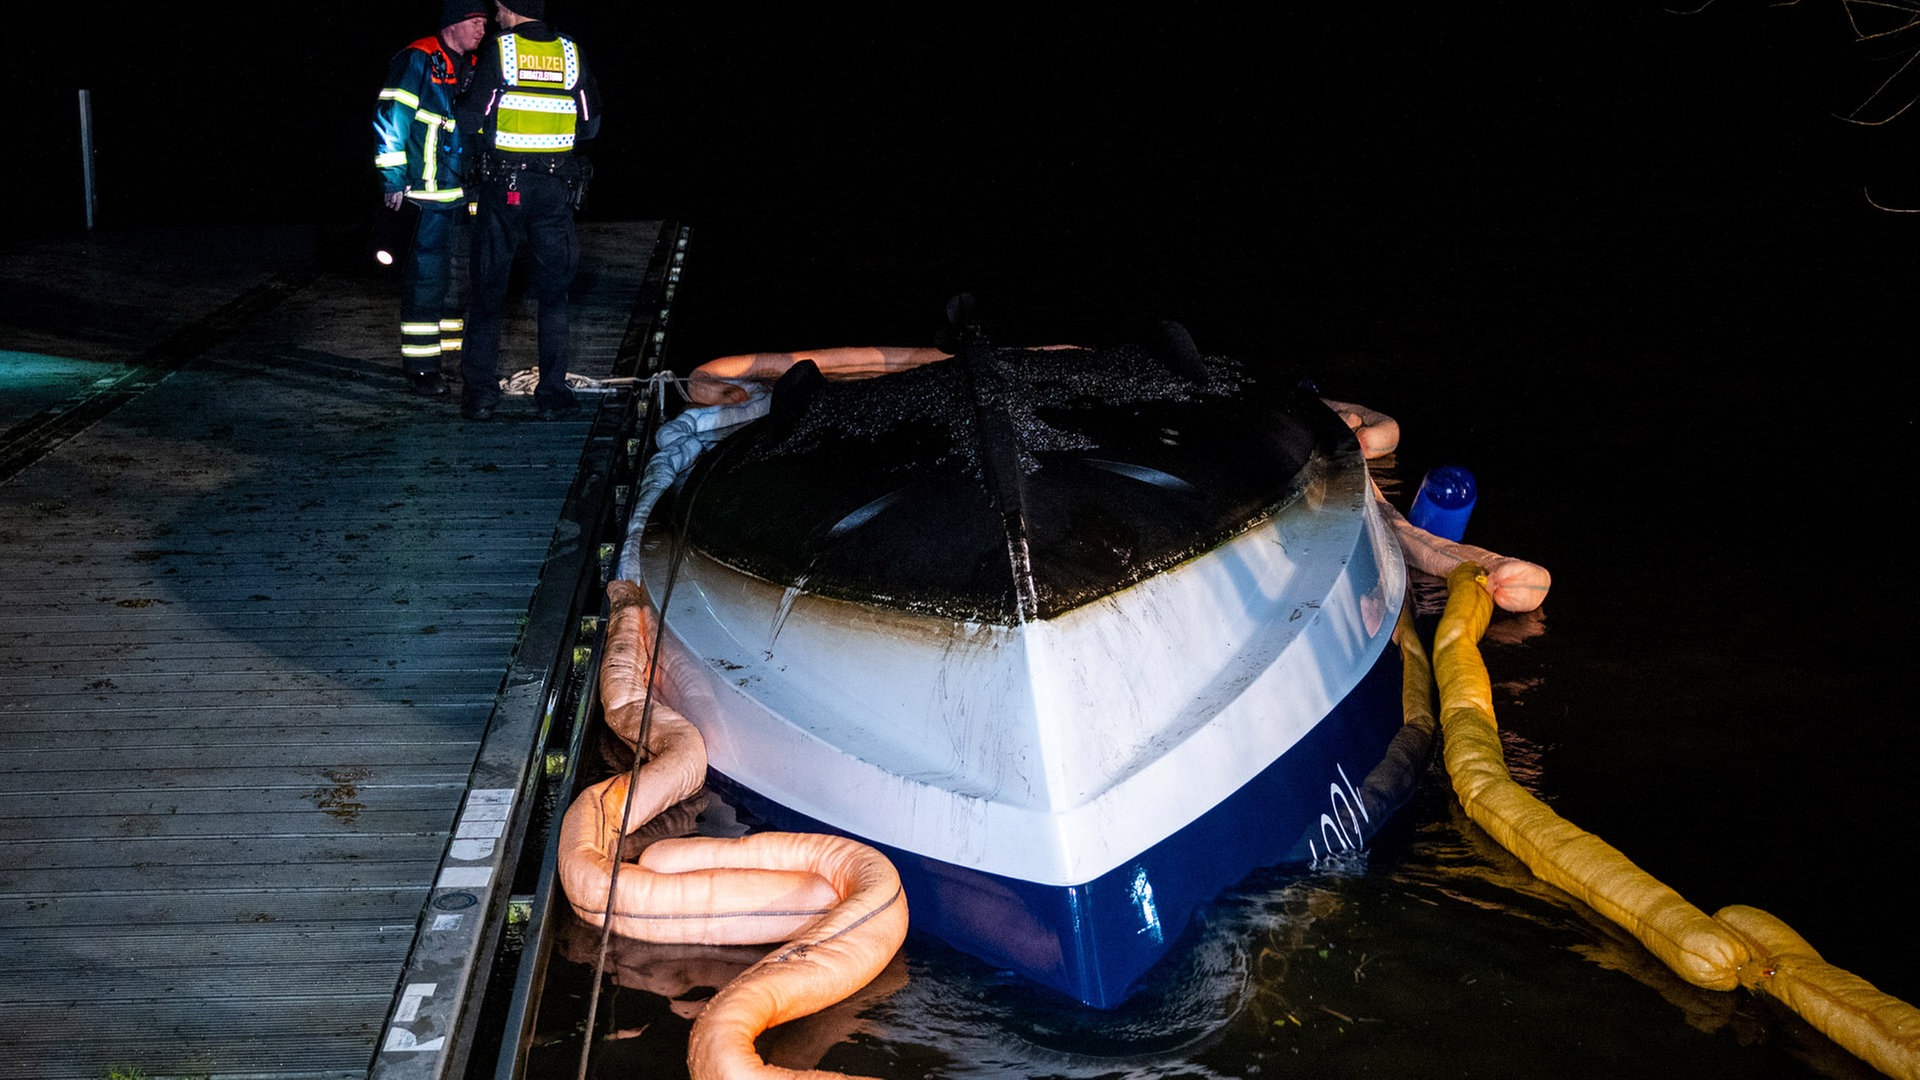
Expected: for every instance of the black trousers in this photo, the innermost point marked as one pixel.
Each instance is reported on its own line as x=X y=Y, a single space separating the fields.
x=530 y=212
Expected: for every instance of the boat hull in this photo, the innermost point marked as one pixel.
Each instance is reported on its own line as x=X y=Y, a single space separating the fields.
x=1096 y=941
x=1077 y=639
x=1061 y=796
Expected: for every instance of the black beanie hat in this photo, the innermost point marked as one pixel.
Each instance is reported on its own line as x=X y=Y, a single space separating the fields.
x=459 y=11
x=532 y=9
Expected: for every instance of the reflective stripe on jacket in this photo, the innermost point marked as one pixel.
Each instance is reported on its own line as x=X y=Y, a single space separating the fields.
x=537 y=113
x=417 y=147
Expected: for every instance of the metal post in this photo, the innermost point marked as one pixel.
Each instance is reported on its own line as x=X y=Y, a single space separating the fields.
x=86 y=153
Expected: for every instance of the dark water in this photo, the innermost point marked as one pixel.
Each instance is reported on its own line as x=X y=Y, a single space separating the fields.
x=1671 y=340
x=1619 y=264
x=1618 y=261
x=1438 y=954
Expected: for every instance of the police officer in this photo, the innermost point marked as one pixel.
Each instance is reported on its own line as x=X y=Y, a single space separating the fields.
x=417 y=150
x=533 y=100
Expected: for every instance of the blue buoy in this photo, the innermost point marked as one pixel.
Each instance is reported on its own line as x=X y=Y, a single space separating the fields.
x=1444 y=502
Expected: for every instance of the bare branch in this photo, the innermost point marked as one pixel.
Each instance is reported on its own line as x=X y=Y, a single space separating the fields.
x=1854 y=116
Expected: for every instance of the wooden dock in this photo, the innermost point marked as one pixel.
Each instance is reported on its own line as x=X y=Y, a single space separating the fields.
x=278 y=645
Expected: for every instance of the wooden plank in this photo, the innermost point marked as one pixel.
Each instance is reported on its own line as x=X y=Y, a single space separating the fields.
x=217 y=568
x=364 y=672
x=260 y=699
x=403 y=728
x=453 y=534
x=163 y=879
x=282 y=603
x=206 y=732
x=234 y=947
x=169 y=667
x=150 y=601
x=323 y=1055
x=277 y=721
x=255 y=625
x=172 y=763
x=216 y=692
x=173 y=689
x=321 y=654
x=239 y=781
x=259 y=850
x=108 y=983
x=107 y=824
x=232 y=578
x=274 y=1017
x=455 y=581
x=168 y=1038
x=456 y=718
x=220 y=620
x=114 y=910
x=372 y=634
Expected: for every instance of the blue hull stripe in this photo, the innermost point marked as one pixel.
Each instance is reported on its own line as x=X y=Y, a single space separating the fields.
x=1096 y=940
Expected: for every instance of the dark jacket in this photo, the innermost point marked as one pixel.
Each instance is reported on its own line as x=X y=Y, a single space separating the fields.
x=417 y=144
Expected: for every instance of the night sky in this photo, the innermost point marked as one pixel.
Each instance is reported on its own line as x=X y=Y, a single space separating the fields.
x=1460 y=187
x=1161 y=140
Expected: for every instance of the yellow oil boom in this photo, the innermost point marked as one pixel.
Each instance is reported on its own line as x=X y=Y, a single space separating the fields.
x=1737 y=946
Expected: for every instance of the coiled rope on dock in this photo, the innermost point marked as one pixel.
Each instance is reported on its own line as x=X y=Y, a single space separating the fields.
x=1737 y=946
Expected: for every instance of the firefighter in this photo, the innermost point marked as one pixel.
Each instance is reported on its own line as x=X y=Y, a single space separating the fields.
x=418 y=153
x=533 y=101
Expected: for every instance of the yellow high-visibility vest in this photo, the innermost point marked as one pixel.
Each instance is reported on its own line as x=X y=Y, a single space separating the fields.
x=537 y=114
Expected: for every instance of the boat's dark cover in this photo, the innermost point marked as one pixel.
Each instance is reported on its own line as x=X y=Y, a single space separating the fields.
x=1005 y=484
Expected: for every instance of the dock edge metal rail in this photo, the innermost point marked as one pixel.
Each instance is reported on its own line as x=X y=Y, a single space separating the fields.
x=470 y=991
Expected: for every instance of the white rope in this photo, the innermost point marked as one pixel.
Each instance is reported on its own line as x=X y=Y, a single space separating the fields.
x=522 y=382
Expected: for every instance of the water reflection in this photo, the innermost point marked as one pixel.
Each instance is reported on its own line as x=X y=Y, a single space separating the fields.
x=1438 y=954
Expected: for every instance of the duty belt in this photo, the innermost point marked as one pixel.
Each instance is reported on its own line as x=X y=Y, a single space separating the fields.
x=496 y=165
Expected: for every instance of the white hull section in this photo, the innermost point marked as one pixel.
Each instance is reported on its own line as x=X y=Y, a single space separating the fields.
x=1054 y=751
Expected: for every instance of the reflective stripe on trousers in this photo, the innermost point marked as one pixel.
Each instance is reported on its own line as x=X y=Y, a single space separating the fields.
x=433 y=293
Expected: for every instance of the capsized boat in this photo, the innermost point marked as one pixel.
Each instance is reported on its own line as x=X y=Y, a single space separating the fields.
x=1078 y=637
